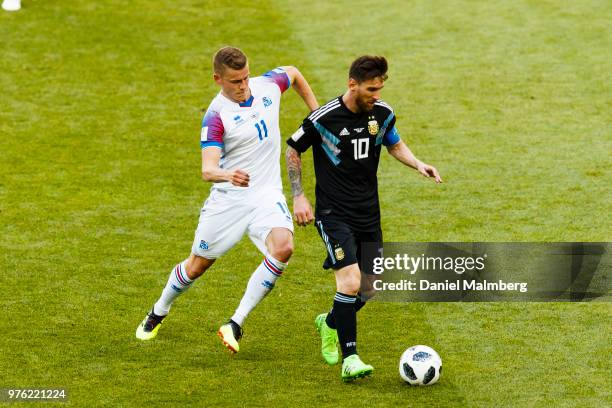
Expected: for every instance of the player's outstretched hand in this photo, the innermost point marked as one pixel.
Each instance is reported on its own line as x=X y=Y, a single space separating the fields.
x=302 y=210
x=429 y=171
x=239 y=178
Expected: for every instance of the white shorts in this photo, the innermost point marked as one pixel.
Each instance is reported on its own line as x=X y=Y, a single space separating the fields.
x=227 y=215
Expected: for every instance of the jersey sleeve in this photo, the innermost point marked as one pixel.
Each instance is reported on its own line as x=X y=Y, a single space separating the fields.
x=212 y=130
x=279 y=77
x=388 y=134
x=391 y=137
x=306 y=136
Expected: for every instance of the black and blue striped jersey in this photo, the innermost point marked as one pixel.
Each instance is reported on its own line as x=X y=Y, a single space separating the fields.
x=346 y=150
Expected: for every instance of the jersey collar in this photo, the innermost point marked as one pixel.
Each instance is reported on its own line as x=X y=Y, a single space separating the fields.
x=248 y=103
x=347 y=109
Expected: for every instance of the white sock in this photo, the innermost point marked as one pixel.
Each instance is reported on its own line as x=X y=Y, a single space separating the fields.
x=178 y=282
x=260 y=284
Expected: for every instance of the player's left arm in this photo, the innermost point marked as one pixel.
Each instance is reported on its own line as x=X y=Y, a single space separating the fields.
x=302 y=87
x=402 y=153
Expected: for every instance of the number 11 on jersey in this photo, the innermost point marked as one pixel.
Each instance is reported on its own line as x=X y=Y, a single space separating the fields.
x=361 y=148
x=259 y=128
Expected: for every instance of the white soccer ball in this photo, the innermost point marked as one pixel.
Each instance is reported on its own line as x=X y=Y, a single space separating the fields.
x=420 y=365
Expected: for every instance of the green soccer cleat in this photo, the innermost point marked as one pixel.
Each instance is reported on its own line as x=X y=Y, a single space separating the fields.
x=148 y=328
x=230 y=333
x=329 y=340
x=353 y=368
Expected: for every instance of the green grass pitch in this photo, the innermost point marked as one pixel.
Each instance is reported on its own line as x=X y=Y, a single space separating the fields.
x=100 y=108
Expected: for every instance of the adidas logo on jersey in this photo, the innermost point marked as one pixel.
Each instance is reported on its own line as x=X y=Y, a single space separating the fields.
x=344 y=132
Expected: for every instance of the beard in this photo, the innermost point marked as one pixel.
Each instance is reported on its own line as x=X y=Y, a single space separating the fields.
x=363 y=105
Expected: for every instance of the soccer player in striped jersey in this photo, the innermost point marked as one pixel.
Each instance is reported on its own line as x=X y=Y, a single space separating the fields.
x=346 y=136
x=240 y=142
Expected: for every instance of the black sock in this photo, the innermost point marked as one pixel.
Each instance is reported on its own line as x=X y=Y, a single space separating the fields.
x=331 y=319
x=359 y=303
x=346 y=323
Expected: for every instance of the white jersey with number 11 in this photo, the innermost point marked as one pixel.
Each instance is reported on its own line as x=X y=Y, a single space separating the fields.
x=248 y=133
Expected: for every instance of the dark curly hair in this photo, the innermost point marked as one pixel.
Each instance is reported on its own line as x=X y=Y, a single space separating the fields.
x=367 y=67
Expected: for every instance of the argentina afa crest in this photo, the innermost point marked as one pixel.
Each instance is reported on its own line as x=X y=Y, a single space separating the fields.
x=372 y=126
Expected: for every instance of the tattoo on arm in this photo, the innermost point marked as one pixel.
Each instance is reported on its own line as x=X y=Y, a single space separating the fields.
x=294 y=168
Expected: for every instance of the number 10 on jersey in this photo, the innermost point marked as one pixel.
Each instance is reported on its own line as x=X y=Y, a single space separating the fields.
x=361 y=148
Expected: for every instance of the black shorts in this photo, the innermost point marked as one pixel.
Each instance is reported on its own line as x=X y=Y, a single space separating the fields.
x=343 y=242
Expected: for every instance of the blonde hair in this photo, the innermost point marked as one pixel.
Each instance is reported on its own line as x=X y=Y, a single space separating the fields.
x=229 y=57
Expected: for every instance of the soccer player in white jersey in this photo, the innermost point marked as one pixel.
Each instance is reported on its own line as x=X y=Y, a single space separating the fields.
x=240 y=143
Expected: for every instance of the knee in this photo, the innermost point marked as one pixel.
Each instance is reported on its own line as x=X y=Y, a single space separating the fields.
x=193 y=271
x=367 y=294
x=196 y=266
x=367 y=287
x=350 y=285
x=283 y=251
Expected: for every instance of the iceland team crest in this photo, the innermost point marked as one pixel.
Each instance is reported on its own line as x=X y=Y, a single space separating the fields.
x=267 y=101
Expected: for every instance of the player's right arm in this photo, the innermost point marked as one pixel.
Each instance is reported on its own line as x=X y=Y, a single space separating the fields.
x=299 y=142
x=211 y=143
x=213 y=173
x=302 y=210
